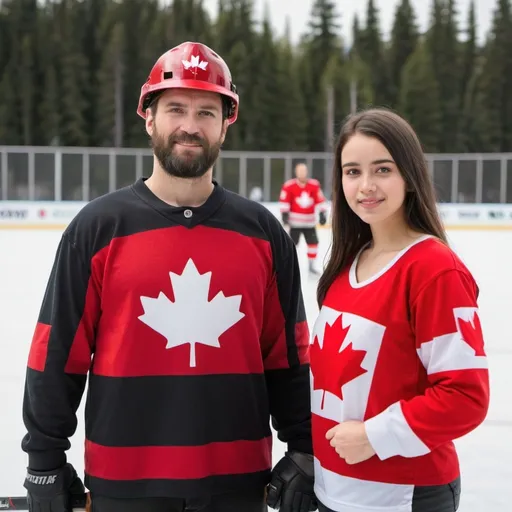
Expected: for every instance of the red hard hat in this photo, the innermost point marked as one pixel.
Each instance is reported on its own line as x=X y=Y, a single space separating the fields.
x=190 y=66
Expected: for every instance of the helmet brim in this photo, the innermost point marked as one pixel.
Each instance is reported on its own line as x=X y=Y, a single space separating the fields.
x=198 y=85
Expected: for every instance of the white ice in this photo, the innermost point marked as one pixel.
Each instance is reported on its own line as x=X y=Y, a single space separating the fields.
x=485 y=455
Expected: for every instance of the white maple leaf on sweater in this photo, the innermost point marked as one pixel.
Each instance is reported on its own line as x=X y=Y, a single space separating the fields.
x=191 y=318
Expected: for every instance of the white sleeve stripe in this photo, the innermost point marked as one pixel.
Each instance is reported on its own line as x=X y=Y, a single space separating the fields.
x=390 y=435
x=448 y=353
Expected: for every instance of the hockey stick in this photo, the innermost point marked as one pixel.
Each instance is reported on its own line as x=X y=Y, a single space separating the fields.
x=79 y=502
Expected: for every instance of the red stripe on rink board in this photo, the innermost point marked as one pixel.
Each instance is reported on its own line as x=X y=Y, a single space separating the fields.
x=177 y=462
x=39 y=347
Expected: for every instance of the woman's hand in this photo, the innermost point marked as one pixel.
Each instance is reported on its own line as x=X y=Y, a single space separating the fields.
x=350 y=441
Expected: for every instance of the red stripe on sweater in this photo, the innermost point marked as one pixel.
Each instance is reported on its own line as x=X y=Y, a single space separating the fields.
x=177 y=462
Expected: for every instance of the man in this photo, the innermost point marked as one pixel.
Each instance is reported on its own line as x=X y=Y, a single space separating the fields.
x=182 y=303
x=299 y=200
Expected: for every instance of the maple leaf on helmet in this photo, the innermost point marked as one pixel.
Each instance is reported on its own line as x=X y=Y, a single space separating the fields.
x=333 y=365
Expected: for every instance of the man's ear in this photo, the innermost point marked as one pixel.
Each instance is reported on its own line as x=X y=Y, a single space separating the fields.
x=225 y=125
x=150 y=120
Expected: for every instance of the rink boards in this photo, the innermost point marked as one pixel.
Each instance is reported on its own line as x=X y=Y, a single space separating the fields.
x=56 y=215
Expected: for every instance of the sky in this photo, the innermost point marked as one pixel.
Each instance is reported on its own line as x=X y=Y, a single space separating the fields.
x=299 y=11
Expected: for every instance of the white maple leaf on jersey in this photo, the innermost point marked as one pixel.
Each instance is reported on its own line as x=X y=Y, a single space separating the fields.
x=191 y=318
x=194 y=63
x=304 y=200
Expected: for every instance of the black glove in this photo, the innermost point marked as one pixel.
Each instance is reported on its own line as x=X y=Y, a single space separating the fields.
x=285 y=216
x=322 y=218
x=51 y=491
x=291 y=485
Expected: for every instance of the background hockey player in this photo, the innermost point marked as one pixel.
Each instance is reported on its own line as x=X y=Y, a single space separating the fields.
x=300 y=200
x=182 y=303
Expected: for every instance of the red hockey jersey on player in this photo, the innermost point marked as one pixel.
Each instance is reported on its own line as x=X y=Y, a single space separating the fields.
x=301 y=201
x=402 y=351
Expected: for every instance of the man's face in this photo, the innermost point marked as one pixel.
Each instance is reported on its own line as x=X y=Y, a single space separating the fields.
x=187 y=131
x=301 y=172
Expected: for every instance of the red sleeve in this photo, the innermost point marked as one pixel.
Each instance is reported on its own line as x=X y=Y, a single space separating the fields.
x=284 y=198
x=320 y=199
x=285 y=347
x=60 y=357
x=450 y=346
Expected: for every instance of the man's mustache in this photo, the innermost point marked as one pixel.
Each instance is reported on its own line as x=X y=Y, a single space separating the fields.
x=187 y=138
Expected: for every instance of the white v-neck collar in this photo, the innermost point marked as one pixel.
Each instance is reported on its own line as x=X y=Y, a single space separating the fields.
x=352 y=276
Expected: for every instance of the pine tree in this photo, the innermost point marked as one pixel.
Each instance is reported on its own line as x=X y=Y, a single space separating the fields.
x=404 y=37
x=72 y=74
x=49 y=108
x=360 y=83
x=358 y=72
x=357 y=37
x=292 y=121
x=443 y=46
x=96 y=15
x=318 y=46
x=323 y=38
x=336 y=80
x=46 y=94
x=26 y=89
x=266 y=92
x=310 y=91
x=235 y=23
x=419 y=99
x=198 y=23
x=371 y=51
x=187 y=20
x=10 y=127
x=137 y=18
x=493 y=98
x=469 y=52
x=474 y=132
x=240 y=134
x=279 y=120
x=468 y=78
x=110 y=90
x=236 y=42
x=10 y=106
x=19 y=19
x=4 y=36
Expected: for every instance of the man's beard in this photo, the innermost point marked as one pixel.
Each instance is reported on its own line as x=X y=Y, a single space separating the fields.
x=194 y=164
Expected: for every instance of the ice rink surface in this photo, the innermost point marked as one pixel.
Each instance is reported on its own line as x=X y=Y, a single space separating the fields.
x=486 y=454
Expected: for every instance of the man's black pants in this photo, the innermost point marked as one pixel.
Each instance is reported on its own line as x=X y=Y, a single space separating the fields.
x=435 y=498
x=233 y=502
x=310 y=235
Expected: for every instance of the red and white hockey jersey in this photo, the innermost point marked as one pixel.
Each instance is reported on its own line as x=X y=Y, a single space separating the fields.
x=402 y=351
x=302 y=200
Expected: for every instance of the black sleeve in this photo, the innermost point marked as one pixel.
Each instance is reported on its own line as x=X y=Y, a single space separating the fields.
x=287 y=361
x=59 y=358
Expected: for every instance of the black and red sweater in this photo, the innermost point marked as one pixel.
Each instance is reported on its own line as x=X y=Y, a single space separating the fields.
x=191 y=326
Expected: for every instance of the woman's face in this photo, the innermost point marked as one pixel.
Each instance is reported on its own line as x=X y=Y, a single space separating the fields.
x=372 y=184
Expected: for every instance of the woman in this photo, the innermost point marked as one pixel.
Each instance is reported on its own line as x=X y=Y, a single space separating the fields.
x=397 y=357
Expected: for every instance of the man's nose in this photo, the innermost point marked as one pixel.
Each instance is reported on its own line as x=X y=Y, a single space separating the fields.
x=189 y=124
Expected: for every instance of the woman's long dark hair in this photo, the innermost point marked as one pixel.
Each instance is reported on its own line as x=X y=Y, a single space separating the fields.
x=349 y=232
